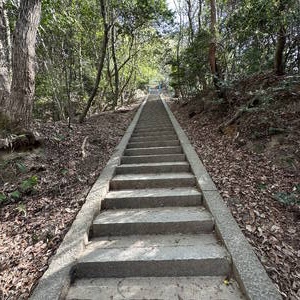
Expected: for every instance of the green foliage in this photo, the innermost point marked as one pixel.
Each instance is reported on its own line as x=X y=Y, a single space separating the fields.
x=16 y=195
x=262 y=186
x=287 y=198
x=64 y=171
x=21 y=167
x=3 y=198
x=29 y=184
x=69 y=49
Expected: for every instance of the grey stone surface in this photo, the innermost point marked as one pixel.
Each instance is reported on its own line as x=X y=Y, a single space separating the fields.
x=154 y=255
x=153 y=144
x=140 y=181
x=152 y=158
x=150 y=288
x=153 y=150
x=248 y=270
x=56 y=280
x=153 y=221
x=154 y=129
x=153 y=133
x=154 y=138
x=147 y=198
x=164 y=167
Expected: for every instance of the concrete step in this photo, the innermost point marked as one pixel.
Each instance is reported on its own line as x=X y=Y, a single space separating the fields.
x=147 y=198
x=154 y=255
x=145 y=181
x=158 y=121
x=153 y=129
x=152 y=158
x=153 y=151
x=164 y=167
x=149 y=288
x=153 y=138
x=141 y=126
x=153 y=144
x=153 y=133
x=162 y=220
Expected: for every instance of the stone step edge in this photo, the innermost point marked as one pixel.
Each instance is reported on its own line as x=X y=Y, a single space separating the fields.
x=136 y=199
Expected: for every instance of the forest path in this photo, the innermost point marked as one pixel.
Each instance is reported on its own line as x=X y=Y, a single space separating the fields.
x=158 y=234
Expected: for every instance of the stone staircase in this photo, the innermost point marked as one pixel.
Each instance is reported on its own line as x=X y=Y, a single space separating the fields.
x=154 y=238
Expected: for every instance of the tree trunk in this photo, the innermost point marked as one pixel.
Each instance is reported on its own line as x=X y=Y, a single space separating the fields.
x=217 y=78
x=199 y=14
x=116 y=70
x=281 y=39
x=101 y=62
x=279 y=61
x=20 y=104
x=4 y=59
x=190 y=18
x=212 y=46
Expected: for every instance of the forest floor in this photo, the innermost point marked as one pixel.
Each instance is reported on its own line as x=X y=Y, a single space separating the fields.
x=41 y=192
x=255 y=162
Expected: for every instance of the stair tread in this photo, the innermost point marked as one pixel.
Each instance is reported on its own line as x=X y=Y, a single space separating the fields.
x=172 y=288
x=151 y=176
x=153 y=248
x=156 y=192
x=154 y=215
x=155 y=148
x=175 y=163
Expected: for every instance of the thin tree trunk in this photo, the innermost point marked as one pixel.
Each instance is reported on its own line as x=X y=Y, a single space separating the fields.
x=279 y=60
x=190 y=18
x=212 y=46
x=212 y=51
x=116 y=70
x=81 y=71
x=200 y=15
x=279 y=63
x=4 y=58
x=101 y=62
x=20 y=104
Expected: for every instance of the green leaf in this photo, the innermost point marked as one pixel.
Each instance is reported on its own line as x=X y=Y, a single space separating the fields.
x=286 y=198
x=262 y=186
x=3 y=198
x=28 y=184
x=64 y=171
x=22 y=168
x=16 y=195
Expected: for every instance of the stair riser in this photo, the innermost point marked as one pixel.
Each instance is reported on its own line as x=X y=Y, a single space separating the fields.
x=159 y=150
x=193 y=267
x=151 y=202
x=153 y=138
x=152 y=169
x=153 y=144
x=193 y=227
x=152 y=183
x=152 y=159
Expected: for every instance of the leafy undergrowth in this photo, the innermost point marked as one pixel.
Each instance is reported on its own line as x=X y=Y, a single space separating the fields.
x=255 y=163
x=41 y=192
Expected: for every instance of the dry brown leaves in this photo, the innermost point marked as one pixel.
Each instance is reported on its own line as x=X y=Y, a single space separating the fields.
x=66 y=166
x=248 y=182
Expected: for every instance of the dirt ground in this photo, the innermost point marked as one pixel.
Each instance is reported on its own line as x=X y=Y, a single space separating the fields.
x=255 y=163
x=41 y=191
